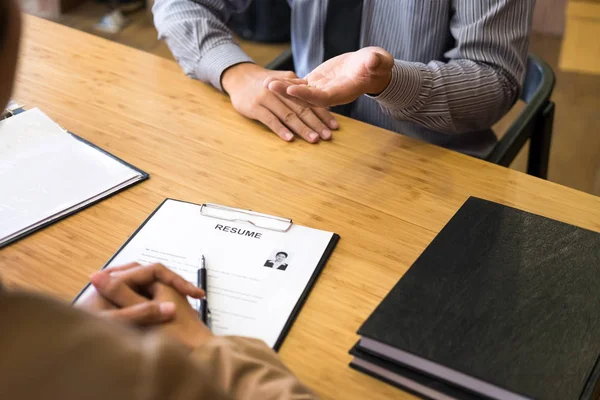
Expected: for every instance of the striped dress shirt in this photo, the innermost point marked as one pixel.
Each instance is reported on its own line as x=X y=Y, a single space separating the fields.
x=460 y=64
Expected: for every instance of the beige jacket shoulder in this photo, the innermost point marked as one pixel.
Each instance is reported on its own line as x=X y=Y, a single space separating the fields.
x=49 y=350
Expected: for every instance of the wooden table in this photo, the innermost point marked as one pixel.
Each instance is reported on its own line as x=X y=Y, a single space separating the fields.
x=385 y=194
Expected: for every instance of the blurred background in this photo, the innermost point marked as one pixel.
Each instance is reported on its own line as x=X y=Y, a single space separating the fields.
x=566 y=34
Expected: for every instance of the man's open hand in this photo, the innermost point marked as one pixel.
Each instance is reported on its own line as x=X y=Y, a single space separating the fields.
x=340 y=80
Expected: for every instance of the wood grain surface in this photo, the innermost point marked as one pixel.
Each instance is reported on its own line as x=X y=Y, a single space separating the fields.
x=387 y=195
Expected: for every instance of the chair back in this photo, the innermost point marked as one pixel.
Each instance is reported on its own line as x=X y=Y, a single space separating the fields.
x=537 y=90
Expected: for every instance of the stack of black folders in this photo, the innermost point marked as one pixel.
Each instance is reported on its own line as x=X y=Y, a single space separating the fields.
x=503 y=304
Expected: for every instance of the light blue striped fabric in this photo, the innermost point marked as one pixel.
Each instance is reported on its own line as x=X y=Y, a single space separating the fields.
x=460 y=64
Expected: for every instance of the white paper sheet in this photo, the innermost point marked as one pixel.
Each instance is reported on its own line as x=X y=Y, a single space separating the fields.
x=46 y=172
x=245 y=297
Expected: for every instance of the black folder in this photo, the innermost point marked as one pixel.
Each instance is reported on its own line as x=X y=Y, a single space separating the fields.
x=406 y=378
x=503 y=302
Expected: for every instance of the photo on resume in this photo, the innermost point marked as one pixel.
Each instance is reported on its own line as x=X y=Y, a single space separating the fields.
x=279 y=260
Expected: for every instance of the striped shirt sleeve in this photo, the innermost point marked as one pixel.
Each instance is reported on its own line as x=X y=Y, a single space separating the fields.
x=482 y=78
x=196 y=34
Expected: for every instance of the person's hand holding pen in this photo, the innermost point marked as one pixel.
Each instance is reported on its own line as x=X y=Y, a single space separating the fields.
x=121 y=293
x=150 y=296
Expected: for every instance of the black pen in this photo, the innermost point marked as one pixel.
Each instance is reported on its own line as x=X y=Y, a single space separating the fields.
x=202 y=284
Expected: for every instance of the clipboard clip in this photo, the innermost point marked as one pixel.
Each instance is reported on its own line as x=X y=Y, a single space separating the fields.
x=11 y=109
x=264 y=221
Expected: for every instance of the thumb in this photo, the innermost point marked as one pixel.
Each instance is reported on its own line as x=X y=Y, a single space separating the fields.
x=377 y=63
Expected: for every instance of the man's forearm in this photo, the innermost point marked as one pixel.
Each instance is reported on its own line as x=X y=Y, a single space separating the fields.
x=196 y=34
x=482 y=78
x=457 y=97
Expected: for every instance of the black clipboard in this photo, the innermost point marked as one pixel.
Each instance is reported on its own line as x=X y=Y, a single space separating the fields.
x=143 y=176
x=283 y=224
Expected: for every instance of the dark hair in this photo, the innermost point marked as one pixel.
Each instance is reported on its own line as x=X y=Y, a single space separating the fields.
x=282 y=252
x=4 y=15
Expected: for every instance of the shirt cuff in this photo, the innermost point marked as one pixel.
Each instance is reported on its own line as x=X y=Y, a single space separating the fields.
x=215 y=61
x=405 y=86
